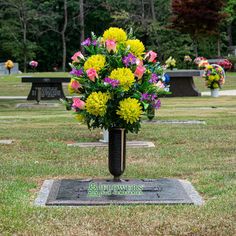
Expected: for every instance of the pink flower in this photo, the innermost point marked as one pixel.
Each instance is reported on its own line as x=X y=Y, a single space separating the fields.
x=77 y=103
x=110 y=45
x=151 y=56
x=76 y=55
x=92 y=74
x=75 y=85
x=139 y=71
x=160 y=84
x=139 y=62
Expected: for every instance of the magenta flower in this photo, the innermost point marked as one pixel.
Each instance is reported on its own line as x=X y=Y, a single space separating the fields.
x=86 y=42
x=76 y=72
x=112 y=82
x=157 y=104
x=154 y=78
x=129 y=60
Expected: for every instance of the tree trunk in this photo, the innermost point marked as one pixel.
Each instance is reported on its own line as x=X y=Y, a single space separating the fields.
x=24 y=45
x=81 y=19
x=153 y=10
x=63 y=37
x=195 y=47
x=229 y=32
x=218 y=46
x=142 y=11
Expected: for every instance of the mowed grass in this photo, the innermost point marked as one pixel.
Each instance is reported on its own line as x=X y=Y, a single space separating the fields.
x=205 y=155
x=11 y=85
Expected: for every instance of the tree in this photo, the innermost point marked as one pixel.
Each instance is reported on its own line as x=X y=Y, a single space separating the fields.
x=198 y=18
x=17 y=29
x=230 y=10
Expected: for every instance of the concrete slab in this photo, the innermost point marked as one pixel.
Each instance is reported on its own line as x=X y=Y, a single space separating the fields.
x=13 y=97
x=36 y=105
x=131 y=144
x=6 y=141
x=221 y=93
x=187 y=122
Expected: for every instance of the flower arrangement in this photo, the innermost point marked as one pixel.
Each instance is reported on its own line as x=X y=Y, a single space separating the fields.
x=33 y=64
x=197 y=60
x=9 y=65
x=214 y=76
x=225 y=64
x=187 y=61
x=116 y=82
x=187 y=58
x=170 y=63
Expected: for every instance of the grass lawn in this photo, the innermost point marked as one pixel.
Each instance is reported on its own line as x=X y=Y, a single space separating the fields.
x=12 y=86
x=205 y=155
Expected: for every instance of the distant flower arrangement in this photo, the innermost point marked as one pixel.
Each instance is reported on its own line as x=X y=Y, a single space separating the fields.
x=187 y=58
x=116 y=82
x=170 y=63
x=197 y=60
x=225 y=63
x=33 y=64
x=214 y=76
x=9 y=65
x=187 y=62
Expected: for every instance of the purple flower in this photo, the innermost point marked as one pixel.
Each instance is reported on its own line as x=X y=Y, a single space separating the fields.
x=76 y=72
x=112 y=82
x=130 y=59
x=157 y=104
x=145 y=96
x=154 y=78
x=148 y=97
x=86 y=42
x=94 y=43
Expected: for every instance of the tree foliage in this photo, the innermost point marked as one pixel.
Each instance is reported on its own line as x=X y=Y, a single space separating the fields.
x=51 y=31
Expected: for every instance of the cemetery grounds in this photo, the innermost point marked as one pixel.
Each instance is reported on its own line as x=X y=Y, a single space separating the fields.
x=205 y=155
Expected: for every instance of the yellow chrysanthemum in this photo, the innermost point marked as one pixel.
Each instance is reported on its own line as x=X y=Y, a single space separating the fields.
x=96 y=62
x=125 y=76
x=116 y=34
x=130 y=110
x=136 y=47
x=96 y=102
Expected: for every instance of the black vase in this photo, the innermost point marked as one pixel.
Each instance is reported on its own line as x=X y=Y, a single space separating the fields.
x=116 y=152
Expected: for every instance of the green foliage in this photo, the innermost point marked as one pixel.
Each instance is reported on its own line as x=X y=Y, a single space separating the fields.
x=150 y=22
x=169 y=42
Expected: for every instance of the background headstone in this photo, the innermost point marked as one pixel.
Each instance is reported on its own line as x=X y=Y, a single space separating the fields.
x=4 y=71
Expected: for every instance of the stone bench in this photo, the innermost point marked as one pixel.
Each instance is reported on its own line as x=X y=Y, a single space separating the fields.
x=45 y=88
x=182 y=83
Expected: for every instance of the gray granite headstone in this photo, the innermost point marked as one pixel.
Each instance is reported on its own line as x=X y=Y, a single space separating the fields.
x=4 y=71
x=74 y=192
